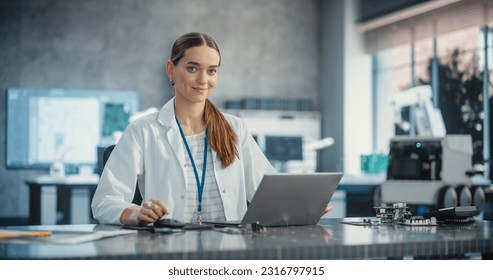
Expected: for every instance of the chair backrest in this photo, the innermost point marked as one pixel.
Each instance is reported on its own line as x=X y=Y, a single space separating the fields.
x=106 y=155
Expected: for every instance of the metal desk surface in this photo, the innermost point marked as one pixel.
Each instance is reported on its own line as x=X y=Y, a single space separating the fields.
x=331 y=239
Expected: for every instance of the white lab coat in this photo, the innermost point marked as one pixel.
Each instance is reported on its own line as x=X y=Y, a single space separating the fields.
x=151 y=153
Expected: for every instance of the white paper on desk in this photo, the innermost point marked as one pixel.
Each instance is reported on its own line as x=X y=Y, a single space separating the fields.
x=86 y=237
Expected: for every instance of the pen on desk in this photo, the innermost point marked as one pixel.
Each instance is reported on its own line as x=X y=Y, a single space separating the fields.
x=15 y=233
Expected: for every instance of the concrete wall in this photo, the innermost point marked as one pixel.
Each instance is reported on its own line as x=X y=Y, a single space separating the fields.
x=269 y=48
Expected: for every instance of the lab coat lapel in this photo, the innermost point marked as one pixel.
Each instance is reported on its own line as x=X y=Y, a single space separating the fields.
x=176 y=143
x=167 y=118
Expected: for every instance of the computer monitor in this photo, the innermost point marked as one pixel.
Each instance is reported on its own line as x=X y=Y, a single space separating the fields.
x=284 y=148
x=48 y=124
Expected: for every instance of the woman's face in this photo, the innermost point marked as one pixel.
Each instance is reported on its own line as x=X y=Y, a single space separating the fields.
x=195 y=75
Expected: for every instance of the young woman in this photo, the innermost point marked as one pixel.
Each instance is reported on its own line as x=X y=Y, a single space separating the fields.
x=191 y=161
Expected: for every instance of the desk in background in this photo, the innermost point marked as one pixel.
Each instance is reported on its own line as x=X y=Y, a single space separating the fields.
x=64 y=200
x=67 y=200
x=330 y=239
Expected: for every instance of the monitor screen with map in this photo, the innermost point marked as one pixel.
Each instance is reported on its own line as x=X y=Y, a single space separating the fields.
x=48 y=124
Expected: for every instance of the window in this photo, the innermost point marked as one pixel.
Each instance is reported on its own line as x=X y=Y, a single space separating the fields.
x=393 y=74
x=459 y=78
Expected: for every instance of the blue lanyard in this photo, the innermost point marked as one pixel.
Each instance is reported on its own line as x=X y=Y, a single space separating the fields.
x=200 y=185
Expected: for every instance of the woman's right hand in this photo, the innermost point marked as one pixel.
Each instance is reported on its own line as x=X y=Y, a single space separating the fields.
x=149 y=212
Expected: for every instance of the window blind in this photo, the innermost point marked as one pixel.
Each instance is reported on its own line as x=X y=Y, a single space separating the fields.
x=426 y=21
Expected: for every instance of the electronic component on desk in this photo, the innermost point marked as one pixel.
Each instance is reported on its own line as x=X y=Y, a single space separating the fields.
x=419 y=221
x=368 y=222
x=459 y=214
x=371 y=221
x=399 y=213
x=395 y=213
x=363 y=222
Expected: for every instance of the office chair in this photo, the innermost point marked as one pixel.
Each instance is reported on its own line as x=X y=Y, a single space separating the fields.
x=137 y=196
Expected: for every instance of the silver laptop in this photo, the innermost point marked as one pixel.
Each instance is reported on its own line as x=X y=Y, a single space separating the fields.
x=289 y=200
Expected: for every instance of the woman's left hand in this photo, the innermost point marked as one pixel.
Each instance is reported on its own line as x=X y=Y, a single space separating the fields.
x=327 y=209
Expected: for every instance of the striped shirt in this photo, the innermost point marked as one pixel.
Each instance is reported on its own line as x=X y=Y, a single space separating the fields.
x=212 y=205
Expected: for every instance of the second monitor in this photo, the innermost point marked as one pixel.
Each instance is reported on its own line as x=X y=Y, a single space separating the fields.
x=284 y=148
